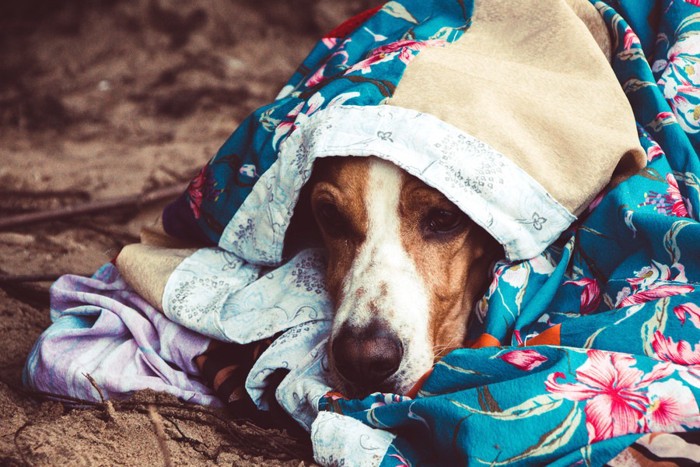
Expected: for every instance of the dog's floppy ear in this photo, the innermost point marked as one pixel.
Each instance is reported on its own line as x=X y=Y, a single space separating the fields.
x=302 y=231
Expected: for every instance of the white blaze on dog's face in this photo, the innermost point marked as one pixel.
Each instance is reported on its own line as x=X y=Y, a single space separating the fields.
x=405 y=268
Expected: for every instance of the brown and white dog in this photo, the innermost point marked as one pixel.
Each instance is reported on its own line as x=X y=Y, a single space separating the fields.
x=405 y=265
x=405 y=268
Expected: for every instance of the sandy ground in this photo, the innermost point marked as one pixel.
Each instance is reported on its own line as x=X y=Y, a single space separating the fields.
x=109 y=98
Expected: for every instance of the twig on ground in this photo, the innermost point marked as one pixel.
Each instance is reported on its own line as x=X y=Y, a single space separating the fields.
x=195 y=444
x=91 y=207
x=16 y=441
x=106 y=403
x=257 y=441
x=157 y=422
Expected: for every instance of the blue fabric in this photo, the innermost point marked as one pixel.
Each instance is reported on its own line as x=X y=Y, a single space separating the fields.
x=362 y=68
x=599 y=336
x=617 y=295
x=615 y=298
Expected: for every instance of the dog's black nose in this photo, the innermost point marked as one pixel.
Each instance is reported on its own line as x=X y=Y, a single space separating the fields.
x=366 y=357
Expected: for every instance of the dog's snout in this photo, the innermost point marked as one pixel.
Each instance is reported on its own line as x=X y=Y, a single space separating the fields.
x=367 y=357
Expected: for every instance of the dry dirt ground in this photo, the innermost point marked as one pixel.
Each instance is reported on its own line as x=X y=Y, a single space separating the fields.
x=107 y=98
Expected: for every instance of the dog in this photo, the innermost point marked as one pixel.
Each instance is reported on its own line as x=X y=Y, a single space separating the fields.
x=405 y=265
x=405 y=269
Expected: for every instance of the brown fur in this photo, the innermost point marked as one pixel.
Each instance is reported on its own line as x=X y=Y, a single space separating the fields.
x=455 y=268
x=456 y=271
x=342 y=182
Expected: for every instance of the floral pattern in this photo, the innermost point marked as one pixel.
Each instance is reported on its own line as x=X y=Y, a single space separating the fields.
x=601 y=332
x=615 y=393
x=372 y=58
x=605 y=322
x=672 y=407
x=670 y=202
x=202 y=187
x=577 y=351
x=653 y=282
x=404 y=50
x=526 y=360
x=590 y=294
x=680 y=80
x=679 y=352
x=688 y=309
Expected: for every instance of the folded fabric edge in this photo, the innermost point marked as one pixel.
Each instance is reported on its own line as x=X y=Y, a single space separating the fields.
x=335 y=437
x=472 y=174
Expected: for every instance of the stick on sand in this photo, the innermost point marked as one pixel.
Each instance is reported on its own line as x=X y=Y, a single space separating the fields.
x=91 y=207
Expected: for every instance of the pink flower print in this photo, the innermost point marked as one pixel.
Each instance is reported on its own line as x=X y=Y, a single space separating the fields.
x=387 y=399
x=654 y=151
x=295 y=117
x=661 y=120
x=525 y=360
x=688 y=309
x=401 y=461
x=590 y=295
x=518 y=337
x=655 y=292
x=674 y=194
x=614 y=391
x=649 y=275
x=671 y=203
x=498 y=270
x=646 y=276
x=630 y=38
x=680 y=80
x=404 y=49
x=194 y=192
x=653 y=282
x=691 y=375
x=669 y=351
x=672 y=407
x=683 y=97
x=316 y=78
x=482 y=305
x=287 y=125
x=319 y=75
x=330 y=42
x=596 y=201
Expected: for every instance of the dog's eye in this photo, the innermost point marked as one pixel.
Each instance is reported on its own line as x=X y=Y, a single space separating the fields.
x=444 y=221
x=331 y=220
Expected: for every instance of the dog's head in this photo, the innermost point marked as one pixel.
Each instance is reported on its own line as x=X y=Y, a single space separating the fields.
x=405 y=268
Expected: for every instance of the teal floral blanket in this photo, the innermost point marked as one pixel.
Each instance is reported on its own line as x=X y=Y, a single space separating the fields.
x=613 y=304
x=577 y=354
x=584 y=348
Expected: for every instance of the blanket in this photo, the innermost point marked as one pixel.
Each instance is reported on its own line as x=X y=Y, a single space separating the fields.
x=587 y=341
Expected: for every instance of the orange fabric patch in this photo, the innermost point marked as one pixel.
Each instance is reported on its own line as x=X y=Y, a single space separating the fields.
x=551 y=336
x=484 y=340
x=419 y=384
